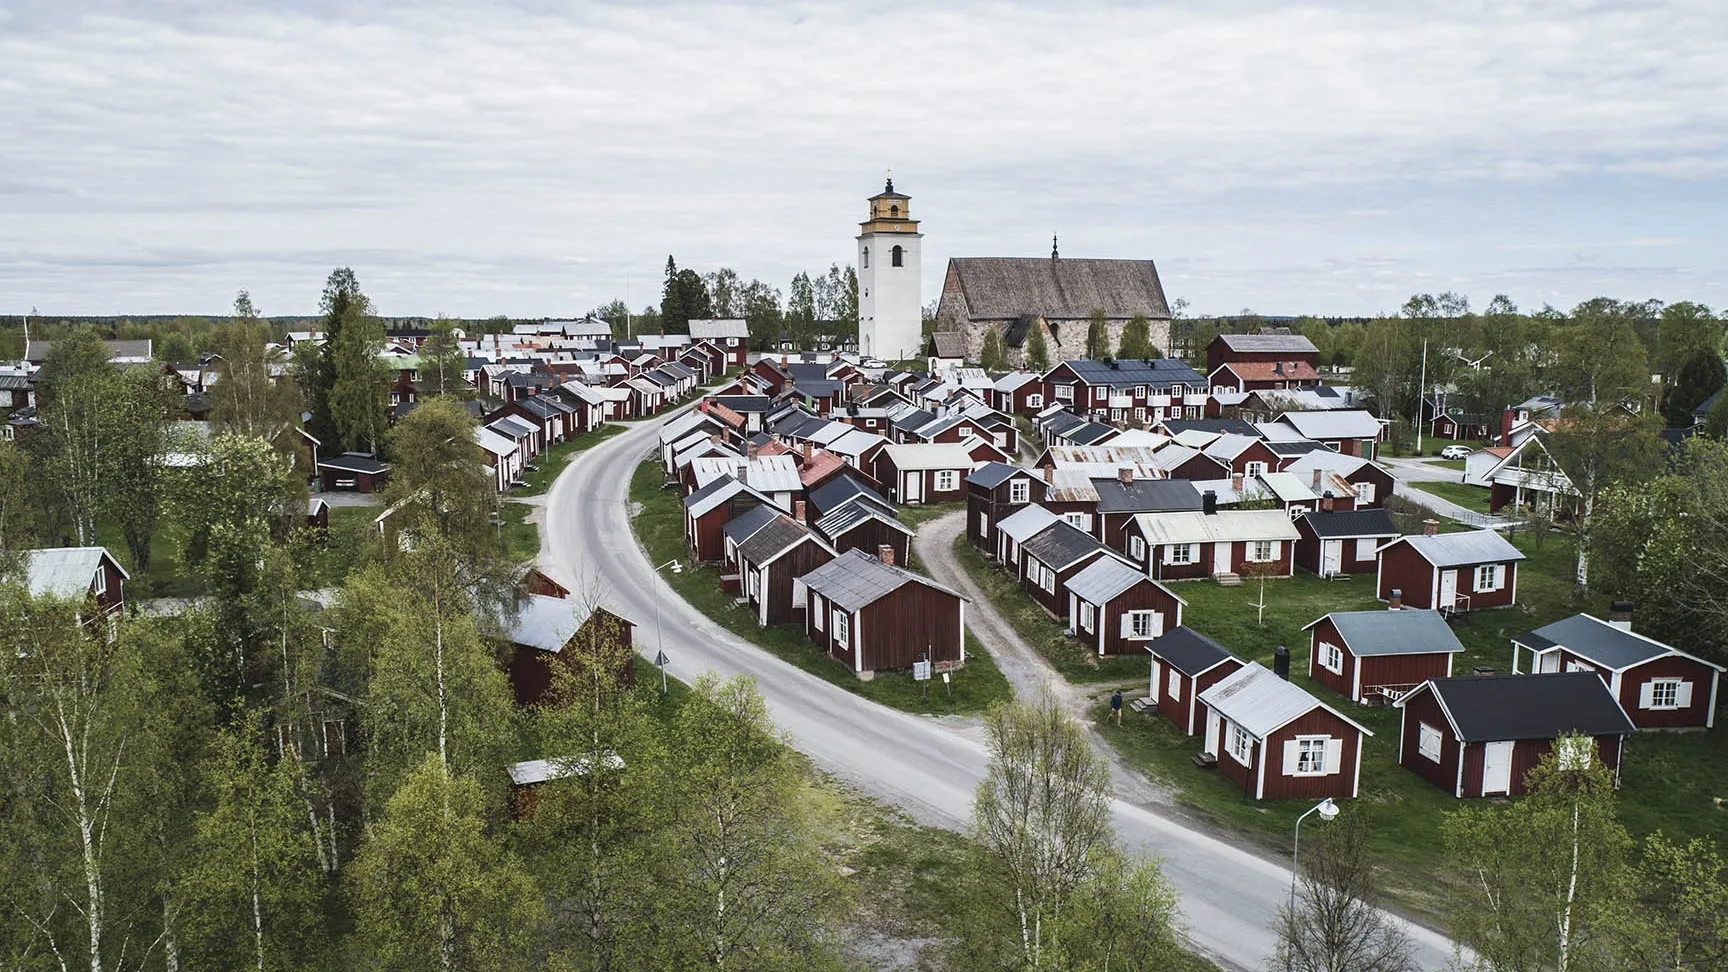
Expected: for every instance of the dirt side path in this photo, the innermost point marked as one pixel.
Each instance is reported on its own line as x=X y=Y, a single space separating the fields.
x=1024 y=667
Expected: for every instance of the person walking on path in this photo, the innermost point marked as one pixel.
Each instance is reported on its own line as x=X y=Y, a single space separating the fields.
x=1116 y=706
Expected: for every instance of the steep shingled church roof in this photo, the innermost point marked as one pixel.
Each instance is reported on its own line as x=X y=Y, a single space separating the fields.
x=1007 y=288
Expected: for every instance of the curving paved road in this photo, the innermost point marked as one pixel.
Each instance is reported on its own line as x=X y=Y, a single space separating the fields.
x=927 y=766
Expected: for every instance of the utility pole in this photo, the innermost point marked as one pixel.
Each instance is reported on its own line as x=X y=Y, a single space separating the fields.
x=1420 y=384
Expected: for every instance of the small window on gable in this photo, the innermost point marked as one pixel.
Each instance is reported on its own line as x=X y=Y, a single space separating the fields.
x=1019 y=491
x=897 y=256
x=99 y=584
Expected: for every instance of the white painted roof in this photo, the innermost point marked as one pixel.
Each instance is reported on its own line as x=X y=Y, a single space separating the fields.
x=1325 y=460
x=1341 y=424
x=1021 y=524
x=64 y=572
x=1288 y=487
x=1195 y=438
x=1224 y=526
x=532 y=771
x=494 y=443
x=855 y=443
x=1260 y=702
x=930 y=455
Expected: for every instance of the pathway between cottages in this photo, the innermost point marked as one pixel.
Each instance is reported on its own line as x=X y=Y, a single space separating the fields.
x=1024 y=667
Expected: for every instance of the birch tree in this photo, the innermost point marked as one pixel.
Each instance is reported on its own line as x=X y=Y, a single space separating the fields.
x=1533 y=880
x=246 y=399
x=743 y=885
x=76 y=431
x=1337 y=924
x=432 y=889
x=74 y=713
x=1041 y=822
x=253 y=894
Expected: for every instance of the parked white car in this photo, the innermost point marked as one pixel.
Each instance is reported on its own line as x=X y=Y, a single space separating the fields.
x=1456 y=452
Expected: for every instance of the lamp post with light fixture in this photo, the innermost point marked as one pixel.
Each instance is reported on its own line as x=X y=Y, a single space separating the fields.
x=1327 y=810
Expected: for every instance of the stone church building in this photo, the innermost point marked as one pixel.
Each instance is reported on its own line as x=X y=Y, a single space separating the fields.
x=1013 y=295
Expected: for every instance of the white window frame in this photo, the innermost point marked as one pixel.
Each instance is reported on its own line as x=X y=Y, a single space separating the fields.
x=1046 y=578
x=1079 y=521
x=1064 y=393
x=1262 y=551
x=1489 y=577
x=1139 y=414
x=1181 y=554
x=947 y=480
x=1088 y=615
x=1137 y=548
x=841 y=627
x=1367 y=548
x=1429 y=742
x=1019 y=491
x=1100 y=393
x=1255 y=468
x=1365 y=492
x=1668 y=686
x=1239 y=744
x=1140 y=625
x=1311 y=750
x=1173 y=686
x=100 y=586
x=1034 y=400
x=816 y=620
x=965 y=431
x=1331 y=658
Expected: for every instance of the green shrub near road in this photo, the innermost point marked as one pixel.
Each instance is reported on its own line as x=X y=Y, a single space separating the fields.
x=538 y=480
x=658 y=518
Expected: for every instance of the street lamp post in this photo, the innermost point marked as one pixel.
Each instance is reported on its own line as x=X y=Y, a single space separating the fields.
x=660 y=642
x=1327 y=810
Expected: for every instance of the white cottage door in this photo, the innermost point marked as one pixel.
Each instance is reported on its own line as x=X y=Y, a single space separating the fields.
x=1331 y=557
x=914 y=491
x=1448 y=589
x=1497 y=768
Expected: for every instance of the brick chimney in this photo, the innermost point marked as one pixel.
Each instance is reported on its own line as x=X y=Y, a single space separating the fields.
x=808 y=448
x=1620 y=615
x=885 y=553
x=798 y=509
x=1049 y=473
x=1326 y=502
x=1236 y=480
x=751 y=451
x=1125 y=475
x=1430 y=527
x=1317 y=475
x=1396 y=601
x=1507 y=419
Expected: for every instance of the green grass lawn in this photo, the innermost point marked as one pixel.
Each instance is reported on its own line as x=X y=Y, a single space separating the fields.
x=1670 y=780
x=659 y=526
x=552 y=462
x=1046 y=635
x=1470 y=497
x=521 y=539
x=916 y=516
x=1456 y=465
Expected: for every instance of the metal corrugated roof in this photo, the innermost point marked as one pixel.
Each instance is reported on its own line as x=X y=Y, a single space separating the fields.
x=739 y=528
x=993 y=474
x=547 y=623
x=64 y=572
x=1228 y=446
x=855 y=579
x=1061 y=544
x=1351 y=523
x=1339 y=424
x=1025 y=522
x=1460 y=549
x=1288 y=487
x=775 y=538
x=1146 y=495
x=930 y=455
x=1104 y=579
x=1404 y=632
x=492 y=442
x=1261 y=702
x=1224 y=526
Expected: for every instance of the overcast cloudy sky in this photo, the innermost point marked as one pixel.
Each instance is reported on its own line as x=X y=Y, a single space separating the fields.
x=538 y=157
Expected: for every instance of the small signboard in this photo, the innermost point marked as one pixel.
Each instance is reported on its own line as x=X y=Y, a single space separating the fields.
x=921 y=671
x=660 y=658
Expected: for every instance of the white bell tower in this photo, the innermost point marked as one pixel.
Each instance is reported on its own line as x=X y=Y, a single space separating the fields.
x=890 y=307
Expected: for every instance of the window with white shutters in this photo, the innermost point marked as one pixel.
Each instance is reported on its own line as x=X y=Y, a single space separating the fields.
x=842 y=627
x=1665 y=693
x=1181 y=553
x=1263 y=551
x=1310 y=755
x=1331 y=658
x=1365 y=492
x=1241 y=744
x=1490 y=577
x=1256 y=468
x=1428 y=741
x=1034 y=401
x=1137 y=549
x=1141 y=625
x=1087 y=613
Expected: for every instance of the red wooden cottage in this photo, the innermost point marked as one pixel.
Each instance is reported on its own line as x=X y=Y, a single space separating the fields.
x=1341 y=543
x=707 y=511
x=546 y=632
x=1115 y=609
x=1377 y=656
x=353 y=472
x=1450 y=572
x=1185 y=663
x=1052 y=557
x=1660 y=687
x=76 y=574
x=1212 y=543
x=1277 y=742
x=1481 y=735
x=770 y=562
x=872 y=616
x=924 y=472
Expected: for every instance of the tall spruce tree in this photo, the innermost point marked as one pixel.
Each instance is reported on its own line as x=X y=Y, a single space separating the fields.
x=1136 y=339
x=350 y=400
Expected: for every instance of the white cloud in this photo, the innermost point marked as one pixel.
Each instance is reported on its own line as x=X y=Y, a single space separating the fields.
x=525 y=159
